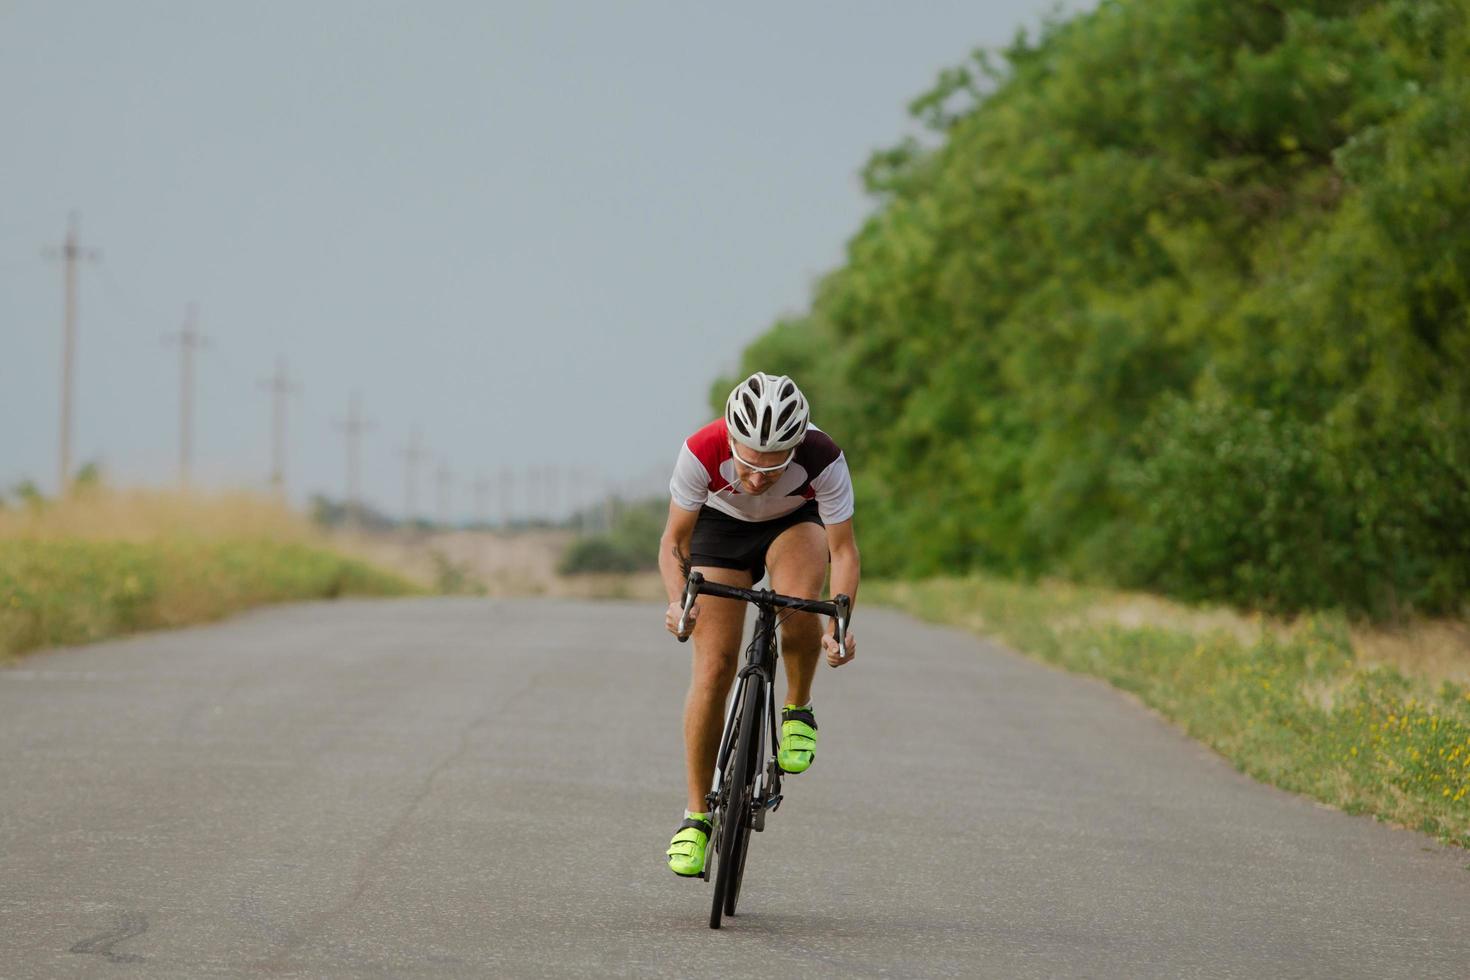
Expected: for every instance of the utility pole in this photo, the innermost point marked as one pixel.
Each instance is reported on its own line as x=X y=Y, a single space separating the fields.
x=353 y=427
x=71 y=252
x=553 y=494
x=443 y=479
x=482 y=498
x=507 y=496
x=581 y=481
x=280 y=387
x=533 y=494
x=189 y=340
x=413 y=454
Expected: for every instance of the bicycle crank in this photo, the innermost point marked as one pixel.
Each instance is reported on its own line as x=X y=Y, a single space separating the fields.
x=768 y=797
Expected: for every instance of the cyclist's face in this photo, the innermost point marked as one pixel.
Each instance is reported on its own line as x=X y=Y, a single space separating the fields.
x=752 y=480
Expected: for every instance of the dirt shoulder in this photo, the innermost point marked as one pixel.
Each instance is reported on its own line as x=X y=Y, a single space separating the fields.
x=516 y=563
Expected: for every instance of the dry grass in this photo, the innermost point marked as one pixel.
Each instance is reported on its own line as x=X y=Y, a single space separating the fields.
x=521 y=563
x=101 y=563
x=1437 y=650
x=1432 y=650
x=1132 y=610
x=99 y=514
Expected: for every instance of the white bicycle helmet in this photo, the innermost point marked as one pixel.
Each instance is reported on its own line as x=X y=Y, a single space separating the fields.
x=767 y=413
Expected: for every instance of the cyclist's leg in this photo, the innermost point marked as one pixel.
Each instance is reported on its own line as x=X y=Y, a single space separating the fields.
x=797 y=560
x=717 y=635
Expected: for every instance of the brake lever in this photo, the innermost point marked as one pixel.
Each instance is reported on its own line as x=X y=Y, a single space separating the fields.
x=691 y=592
x=844 y=615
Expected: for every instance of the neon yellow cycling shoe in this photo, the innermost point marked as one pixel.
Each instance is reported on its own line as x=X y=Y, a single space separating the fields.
x=798 y=739
x=686 y=850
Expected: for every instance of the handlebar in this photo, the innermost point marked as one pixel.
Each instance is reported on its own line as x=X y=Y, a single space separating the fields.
x=839 y=608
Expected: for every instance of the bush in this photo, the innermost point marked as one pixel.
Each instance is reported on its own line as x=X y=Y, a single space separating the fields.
x=1233 y=504
x=1260 y=509
x=599 y=554
x=630 y=545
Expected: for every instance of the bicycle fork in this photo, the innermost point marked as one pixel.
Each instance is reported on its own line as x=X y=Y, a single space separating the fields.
x=768 y=785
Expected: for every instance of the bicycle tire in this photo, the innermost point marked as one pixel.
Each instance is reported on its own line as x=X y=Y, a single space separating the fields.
x=746 y=771
x=716 y=842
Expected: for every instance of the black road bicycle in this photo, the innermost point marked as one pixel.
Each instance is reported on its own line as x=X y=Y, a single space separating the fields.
x=747 y=779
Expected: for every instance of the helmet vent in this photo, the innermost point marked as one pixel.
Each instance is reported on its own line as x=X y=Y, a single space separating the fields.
x=766 y=425
x=788 y=389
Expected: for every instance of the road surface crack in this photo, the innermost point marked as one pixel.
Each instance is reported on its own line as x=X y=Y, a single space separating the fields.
x=132 y=924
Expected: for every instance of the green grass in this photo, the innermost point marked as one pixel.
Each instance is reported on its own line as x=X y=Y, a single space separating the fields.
x=66 y=591
x=1292 y=708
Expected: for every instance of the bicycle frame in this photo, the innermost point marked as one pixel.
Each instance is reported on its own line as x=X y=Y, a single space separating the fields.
x=760 y=658
x=760 y=783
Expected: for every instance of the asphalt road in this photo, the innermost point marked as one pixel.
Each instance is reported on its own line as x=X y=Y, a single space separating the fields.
x=484 y=788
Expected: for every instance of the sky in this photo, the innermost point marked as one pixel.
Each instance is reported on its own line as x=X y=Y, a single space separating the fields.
x=535 y=232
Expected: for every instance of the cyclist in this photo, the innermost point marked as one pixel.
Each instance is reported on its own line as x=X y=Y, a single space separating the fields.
x=761 y=488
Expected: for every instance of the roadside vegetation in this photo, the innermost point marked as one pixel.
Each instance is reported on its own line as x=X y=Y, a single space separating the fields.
x=629 y=544
x=1175 y=297
x=1292 y=705
x=101 y=563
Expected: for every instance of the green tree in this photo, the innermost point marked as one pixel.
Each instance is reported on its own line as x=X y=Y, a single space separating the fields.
x=1173 y=294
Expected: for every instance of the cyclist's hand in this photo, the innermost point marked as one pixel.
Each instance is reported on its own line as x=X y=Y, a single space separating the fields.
x=671 y=618
x=835 y=657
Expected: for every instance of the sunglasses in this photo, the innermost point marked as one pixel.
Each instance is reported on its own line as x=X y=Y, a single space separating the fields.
x=762 y=469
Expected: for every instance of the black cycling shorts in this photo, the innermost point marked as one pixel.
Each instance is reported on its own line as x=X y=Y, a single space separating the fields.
x=728 y=542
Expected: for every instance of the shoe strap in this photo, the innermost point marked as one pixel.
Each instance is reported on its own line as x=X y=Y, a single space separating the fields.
x=690 y=823
x=803 y=715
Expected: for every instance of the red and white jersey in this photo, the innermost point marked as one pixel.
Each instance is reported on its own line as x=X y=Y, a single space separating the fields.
x=705 y=475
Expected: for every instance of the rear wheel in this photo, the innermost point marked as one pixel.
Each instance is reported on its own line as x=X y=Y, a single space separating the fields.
x=734 y=829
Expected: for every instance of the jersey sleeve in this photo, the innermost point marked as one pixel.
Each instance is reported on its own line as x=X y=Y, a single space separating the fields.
x=833 y=489
x=689 y=486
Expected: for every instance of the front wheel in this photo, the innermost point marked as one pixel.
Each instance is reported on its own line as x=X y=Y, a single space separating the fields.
x=734 y=829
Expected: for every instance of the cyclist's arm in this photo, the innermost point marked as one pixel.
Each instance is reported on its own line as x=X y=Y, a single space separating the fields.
x=673 y=549
x=846 y=564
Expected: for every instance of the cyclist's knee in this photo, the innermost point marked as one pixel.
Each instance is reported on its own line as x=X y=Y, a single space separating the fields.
x=802 y=631
x=800 y=574
x=714 y=667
